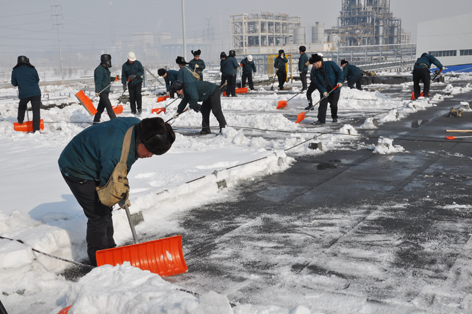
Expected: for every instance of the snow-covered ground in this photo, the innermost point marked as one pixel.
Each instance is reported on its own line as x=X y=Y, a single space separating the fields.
x=39 y=209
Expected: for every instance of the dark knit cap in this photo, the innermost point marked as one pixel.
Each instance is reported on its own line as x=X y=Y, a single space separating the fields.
x=315 y=58
x=302 y=48
x=343 y=62
x=161 y=72
x=180 y=60
x=156 y=135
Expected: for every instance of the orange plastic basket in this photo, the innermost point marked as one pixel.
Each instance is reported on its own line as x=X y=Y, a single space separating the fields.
x=27 y=126
x=163 y=257
x=86 y=102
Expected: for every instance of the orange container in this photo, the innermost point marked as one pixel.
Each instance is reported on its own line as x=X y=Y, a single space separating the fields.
x=163 y=257
x=65 y=310
x=413 y=95
x=27 y=126
x=161 y=98
x=224 y=93
x=86 y=102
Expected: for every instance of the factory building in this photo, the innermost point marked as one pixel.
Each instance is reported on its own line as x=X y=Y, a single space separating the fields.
x=449 y=39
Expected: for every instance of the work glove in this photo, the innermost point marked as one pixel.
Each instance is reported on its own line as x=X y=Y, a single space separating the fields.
x=176 y=115
x=125 y=201
x=196 y=66
x=325 y=94
x=97 y=94
x=124 y=88
x=117 y=78
x=132 y=77
x=340 y=84
x=197 y=108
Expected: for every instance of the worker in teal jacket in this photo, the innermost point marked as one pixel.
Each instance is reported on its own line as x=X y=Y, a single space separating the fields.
x=185 y=74
x=89 y=159
x=279 y=65
x=206 y=92
x=327 y=75
x=303 y=67
x=224 y=75
x=230 y=67
x=197 y=64
x=25 y=76
x=248 y=66
x=422 y=73
x=132 y=73
x=352 y=74
x=103 y=81
x=170 y=76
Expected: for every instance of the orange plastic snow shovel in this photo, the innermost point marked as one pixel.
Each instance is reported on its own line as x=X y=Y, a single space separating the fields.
x=86 y=102
x=413 y=95
x=162 y=109
x=27 y=126
x=242 y=90
x=163 y=257
x=283 y=103
x=118 y=109
x=65 y=310
x=302 y=115
x=161 y=98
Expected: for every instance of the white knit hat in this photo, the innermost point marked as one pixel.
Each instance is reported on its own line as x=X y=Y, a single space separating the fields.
x=131 y=56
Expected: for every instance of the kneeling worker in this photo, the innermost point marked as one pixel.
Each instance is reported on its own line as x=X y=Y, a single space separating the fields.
x=89 y=165
x=206 y=92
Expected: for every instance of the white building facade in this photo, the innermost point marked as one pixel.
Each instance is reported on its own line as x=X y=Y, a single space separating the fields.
x=449 y=39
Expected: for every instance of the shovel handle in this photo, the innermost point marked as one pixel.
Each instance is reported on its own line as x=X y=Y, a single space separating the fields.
x=133 y=231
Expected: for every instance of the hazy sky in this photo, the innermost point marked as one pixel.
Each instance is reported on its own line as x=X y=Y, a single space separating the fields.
x=28 y=25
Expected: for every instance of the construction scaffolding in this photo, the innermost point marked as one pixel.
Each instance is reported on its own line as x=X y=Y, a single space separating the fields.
x=262 y=33
x=368 y=22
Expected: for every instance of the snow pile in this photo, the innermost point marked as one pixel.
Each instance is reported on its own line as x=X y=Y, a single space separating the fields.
x=385 y=146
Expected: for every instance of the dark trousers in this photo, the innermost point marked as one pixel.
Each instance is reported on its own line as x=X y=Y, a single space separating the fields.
x=282 y=76
x=36 y=104
x=135 y=97
x=213 y=104
x=231 y=85
x=332 y=99
x=247 y=76
x=99 y=224
x=201 y=76
x=423 y=75
x=303 y=79
x=311 y=89
x=102 y=104
x=356 y=80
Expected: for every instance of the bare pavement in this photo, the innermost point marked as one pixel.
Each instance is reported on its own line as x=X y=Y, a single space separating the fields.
x=348 y=231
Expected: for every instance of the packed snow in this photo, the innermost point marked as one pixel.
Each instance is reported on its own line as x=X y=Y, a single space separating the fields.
x=39 y=209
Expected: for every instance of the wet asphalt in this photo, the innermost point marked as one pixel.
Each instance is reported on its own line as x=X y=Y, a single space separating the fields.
x=347 y=224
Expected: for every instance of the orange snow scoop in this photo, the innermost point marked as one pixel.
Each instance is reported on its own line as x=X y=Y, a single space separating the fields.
x=162 y=109
x=27 y=126
x=302 y=115
x=86 y=102
x=163 y=257
x=118 y=109
x=161 y=98
x=65 y=310
x=283 y=103
x=242 y=90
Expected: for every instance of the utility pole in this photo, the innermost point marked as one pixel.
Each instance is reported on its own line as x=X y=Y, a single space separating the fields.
x=59 y=39
x=183 y=30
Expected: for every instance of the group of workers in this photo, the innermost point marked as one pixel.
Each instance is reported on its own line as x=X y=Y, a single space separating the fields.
x=90 y=160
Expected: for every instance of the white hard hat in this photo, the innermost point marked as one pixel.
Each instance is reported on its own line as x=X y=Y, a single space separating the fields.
x=131 y=56
x=249 y=58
